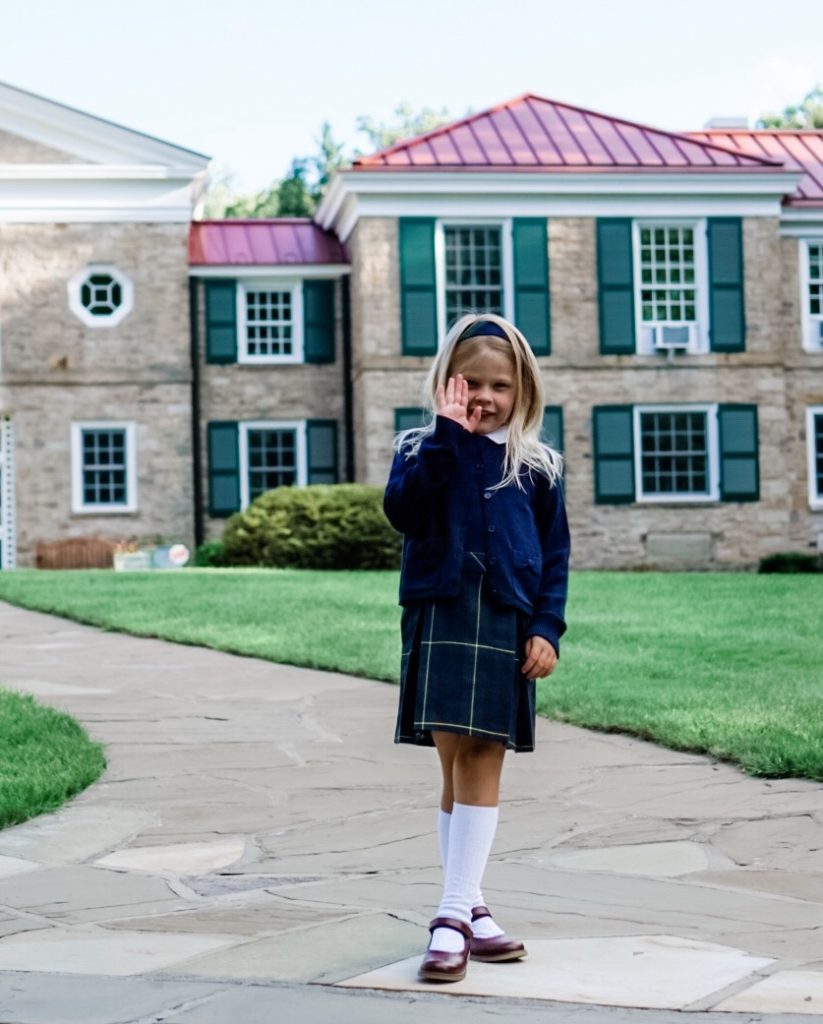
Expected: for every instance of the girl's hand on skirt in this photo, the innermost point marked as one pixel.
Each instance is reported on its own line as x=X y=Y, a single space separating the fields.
x=541 y=658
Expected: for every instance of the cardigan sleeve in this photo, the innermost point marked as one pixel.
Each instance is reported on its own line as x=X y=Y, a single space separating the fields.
x=547 y=619
x=415 y=488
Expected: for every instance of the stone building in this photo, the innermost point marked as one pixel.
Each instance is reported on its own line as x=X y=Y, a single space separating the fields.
x=95 y=382
x=671 y=286
x=158 y=371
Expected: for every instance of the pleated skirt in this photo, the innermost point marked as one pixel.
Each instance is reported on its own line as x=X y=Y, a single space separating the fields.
x=460 y=668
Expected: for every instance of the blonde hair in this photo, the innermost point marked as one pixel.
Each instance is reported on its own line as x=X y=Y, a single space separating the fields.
x=524 y=449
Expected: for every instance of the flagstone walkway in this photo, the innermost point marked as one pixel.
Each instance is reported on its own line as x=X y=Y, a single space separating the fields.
x=258 y=845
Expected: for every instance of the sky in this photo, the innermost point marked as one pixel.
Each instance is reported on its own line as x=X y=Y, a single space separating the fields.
x=249 y=82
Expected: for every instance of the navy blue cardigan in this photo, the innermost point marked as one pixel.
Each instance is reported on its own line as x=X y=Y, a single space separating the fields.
x=428 y=500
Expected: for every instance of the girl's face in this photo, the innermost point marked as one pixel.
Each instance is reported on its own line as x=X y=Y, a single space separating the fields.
x=490 y=377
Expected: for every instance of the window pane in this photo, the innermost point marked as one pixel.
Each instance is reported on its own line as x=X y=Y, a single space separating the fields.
x=269 y=323
x=667 y=266
x=272 y=460
x=674 y=456
x=815 y=278
x=817 y=421
x=473 y=270
x=104 y=469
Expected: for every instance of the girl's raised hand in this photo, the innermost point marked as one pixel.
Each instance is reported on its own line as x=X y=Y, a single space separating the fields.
x=453 y=403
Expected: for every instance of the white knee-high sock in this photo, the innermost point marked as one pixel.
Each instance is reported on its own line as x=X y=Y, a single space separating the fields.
x=471 y=833
x=484 y=927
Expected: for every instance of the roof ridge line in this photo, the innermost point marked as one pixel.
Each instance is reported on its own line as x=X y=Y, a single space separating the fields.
x=525 y=96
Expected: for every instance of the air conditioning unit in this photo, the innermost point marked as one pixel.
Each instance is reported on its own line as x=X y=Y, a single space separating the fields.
x=671 y=337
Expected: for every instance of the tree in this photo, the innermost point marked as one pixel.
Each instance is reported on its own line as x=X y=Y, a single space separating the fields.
x=807 y=114
x=407 y=126
x=330 y=158
x=300 y=191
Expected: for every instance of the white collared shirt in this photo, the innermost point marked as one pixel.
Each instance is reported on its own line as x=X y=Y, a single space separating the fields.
x=500 y=435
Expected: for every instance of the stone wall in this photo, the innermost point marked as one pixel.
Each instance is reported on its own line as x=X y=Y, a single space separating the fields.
x=55 y=370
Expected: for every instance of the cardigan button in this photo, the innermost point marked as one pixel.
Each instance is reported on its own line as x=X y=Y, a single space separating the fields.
x=491 y=529
x=492 y=560
x=487 y=495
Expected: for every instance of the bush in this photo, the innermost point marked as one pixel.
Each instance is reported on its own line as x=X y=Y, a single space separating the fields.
x=789 y=561
x=323 y=526
x=210 y=555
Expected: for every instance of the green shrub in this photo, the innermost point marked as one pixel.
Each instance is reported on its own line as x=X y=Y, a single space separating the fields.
x=323 y=526
x=789 y=561
x=210 y=555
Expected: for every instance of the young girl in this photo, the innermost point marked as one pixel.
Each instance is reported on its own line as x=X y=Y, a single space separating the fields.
x=483 y=587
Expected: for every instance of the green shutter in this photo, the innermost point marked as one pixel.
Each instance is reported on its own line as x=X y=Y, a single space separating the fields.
x=613 y=454
x=318 y=321
x=224 y=468
x=410 y=417
x=530 y=245
x=221 y=321
x=418 y=293
x=552 y=432
x=727 y=325
x=615 y=281
x=321 y=442
x=739 y=463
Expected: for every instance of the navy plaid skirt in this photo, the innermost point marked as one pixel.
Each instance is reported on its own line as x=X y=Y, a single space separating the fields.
x=460 y=668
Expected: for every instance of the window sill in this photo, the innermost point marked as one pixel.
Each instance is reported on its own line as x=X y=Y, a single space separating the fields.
x=270 y=361
x=105 y=510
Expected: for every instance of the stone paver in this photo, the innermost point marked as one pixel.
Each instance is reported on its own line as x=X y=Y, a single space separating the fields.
x=256 y=828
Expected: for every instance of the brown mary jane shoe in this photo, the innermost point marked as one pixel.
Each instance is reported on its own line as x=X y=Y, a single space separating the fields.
x=497 y=950
x=441 y=966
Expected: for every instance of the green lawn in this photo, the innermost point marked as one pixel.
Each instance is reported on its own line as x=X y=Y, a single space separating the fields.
x=45 y=758
x=730 y=664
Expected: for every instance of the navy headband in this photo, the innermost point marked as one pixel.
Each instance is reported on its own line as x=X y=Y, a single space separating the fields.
x=482 y=328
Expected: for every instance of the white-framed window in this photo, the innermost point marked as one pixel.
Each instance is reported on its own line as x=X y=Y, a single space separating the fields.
x=103 y=467
x=272 y=454
x=671 y=286
x=100 y=295
x=811 y=300
x=7 y=540
x=814 y=448
x=474 y=269
x=676 y=453
x=270 y=321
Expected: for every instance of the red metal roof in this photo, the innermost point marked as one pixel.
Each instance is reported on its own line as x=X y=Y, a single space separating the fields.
x=534 y=133
x=284 y=240
x=798 y=150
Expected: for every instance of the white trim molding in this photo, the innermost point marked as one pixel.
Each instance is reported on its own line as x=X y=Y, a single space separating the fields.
x=84 y=135
x=801 y=222
x=712 y=494
x=7 y=531
x=78 y=505
x=540 y=193
x=301 y=448
x=305 y=271
x=813 y=412
x=295 y=291
x=82 y=278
